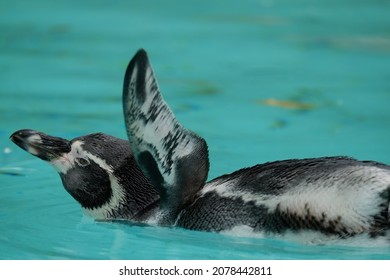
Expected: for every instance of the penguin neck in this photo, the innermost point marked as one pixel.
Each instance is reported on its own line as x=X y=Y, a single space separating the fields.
x=139 y=198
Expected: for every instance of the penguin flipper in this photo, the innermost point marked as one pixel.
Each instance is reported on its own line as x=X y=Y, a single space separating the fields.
x=173 y=158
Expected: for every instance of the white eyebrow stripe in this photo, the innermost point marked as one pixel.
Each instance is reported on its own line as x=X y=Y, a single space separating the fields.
x=101 y=162
x=67 y=161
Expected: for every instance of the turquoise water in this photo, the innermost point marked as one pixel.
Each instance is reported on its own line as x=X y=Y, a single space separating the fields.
x=259 y=80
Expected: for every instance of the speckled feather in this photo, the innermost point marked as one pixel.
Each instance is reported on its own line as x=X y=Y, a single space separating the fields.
x=172 y=157
x=333 y=195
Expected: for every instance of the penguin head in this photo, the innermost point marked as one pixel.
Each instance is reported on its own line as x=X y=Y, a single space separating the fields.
x=98 y=170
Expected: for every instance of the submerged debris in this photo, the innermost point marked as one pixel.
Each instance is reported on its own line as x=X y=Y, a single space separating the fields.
x=287 y=104
x=12 y=171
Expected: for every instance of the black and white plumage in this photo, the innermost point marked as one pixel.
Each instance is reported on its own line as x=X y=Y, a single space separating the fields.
x=173 y=158
x=159 y=177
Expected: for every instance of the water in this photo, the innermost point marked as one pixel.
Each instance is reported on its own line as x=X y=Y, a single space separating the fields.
x=230 y=71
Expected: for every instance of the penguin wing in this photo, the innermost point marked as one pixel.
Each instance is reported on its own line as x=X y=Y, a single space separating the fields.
x=173 y=158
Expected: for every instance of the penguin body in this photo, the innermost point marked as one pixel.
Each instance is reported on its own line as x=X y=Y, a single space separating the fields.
x=159 y=177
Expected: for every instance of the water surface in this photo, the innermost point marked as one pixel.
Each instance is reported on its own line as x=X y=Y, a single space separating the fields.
x=259 y=80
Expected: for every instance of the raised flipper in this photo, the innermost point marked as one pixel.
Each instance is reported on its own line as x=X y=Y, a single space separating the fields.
x=172 y=157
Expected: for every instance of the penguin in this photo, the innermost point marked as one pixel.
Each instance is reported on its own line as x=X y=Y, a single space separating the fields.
x=159 y=175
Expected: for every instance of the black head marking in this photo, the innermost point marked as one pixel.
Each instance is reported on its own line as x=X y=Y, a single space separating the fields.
x=90 y=185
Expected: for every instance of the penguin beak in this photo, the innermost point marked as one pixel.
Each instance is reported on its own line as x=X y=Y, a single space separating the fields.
x=40 y=145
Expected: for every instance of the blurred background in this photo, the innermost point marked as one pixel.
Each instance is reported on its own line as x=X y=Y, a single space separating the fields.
x=260 y=80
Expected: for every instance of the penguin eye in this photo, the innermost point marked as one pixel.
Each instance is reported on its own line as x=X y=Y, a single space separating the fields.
x=82 y=161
